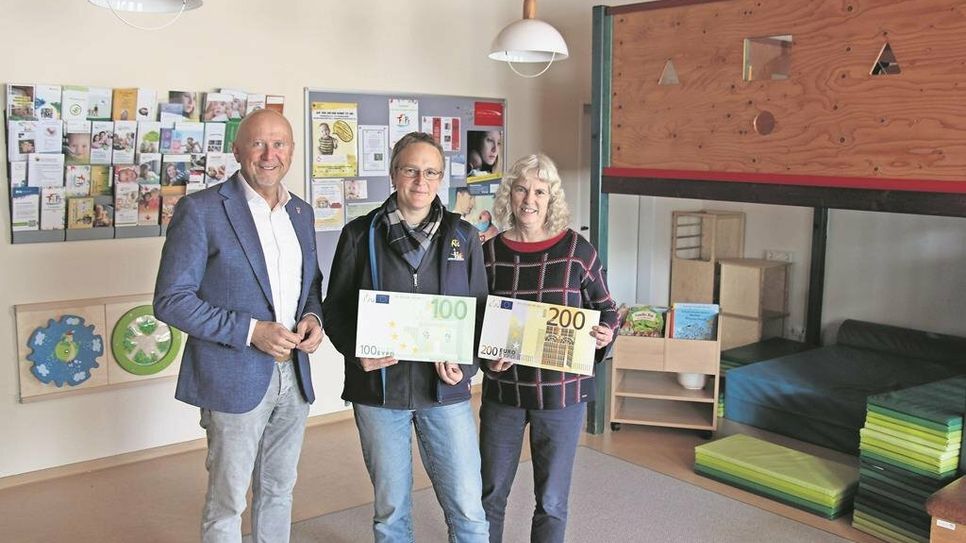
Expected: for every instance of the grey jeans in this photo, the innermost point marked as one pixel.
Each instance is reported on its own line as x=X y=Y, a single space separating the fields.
x=260 y=447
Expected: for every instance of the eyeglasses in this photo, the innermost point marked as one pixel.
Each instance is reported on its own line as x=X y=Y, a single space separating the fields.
x=429 y=174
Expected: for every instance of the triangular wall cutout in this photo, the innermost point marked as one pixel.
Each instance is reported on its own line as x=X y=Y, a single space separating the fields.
x=886 y=63
x=669 y=76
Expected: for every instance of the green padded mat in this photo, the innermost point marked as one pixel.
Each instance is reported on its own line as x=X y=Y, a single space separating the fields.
x=894 y=494
x=883 y=530
x=880 y=458
x=920 y=433
x=907 y=460
x=770 y=493
x=786 y=487
x=938 y=405
x=901 y=477
x=913 y=520
x=922 y=452
x=781 y=464
x=900 y=486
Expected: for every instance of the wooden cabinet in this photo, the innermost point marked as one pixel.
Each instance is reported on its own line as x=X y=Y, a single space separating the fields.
x=698 y=240
x=753 y=297
x=645 y=386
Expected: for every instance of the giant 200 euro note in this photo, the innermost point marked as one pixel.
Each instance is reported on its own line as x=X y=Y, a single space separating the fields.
x=547 y=336
x=418 y=327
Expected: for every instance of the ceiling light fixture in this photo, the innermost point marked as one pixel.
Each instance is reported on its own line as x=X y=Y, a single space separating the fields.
x=529 y=40
x=148 y=6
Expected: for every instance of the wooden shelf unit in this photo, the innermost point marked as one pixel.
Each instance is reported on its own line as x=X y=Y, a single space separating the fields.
x=698 y=240
x=645 y=387
x=753 y=297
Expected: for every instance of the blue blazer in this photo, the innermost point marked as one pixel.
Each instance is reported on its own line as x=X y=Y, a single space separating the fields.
x=212 y=281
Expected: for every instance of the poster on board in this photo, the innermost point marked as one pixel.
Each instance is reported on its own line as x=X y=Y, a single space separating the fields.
x=334 y=130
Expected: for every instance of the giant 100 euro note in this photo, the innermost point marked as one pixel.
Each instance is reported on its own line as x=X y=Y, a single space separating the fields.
x=547 y=336
x=419 y=327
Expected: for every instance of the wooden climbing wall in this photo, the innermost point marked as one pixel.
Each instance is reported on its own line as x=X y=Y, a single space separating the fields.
x=830 y=117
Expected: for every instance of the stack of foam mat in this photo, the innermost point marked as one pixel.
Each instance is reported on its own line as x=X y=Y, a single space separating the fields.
x=910 y=447
x=792 y=477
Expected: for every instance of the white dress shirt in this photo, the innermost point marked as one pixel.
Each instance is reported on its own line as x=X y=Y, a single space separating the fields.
x=283 y=254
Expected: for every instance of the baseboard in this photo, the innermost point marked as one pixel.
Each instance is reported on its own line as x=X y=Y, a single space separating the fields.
x=132 y=457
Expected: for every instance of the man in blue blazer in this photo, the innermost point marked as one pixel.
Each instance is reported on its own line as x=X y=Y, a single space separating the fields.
x=239 y=274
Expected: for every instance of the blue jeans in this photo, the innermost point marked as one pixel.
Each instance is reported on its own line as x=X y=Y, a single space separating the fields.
x=553 y=445
x=447 y=445
x=263 y=444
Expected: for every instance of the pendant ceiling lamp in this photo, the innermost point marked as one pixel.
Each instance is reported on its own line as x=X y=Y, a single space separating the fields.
x=529 y=40
x=148 y=6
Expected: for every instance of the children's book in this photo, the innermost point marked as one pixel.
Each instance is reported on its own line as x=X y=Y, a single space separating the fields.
x=47 y=102
x=53 y=208
x=695 y=321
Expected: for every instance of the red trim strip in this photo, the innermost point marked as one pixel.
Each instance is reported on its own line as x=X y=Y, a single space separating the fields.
x=874 y=183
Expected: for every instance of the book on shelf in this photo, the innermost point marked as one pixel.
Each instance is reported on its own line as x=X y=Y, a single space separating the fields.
x=25 y=209
x=74 y=103
x=77 y=180
x=217 y=107
x=125 y=105
x=103 y=211
x=149 y=168
x=694 y=321
x=18 y=174
x=126 y=197
x=102 y=180
x=47 y=102
x=149 y=137
x=99 y=103
x=102 y=142
x=239 y=103
x=45 y=170
x=125 y=134
x=21 y=139
x=149 y=204
x=255 y=102
x=53 y=208
x=147 y=105
x=214 y=138
x=80 y=213
x=20 y=103
x=77 y=142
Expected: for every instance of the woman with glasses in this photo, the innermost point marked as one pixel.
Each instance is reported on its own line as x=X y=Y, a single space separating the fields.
x=411 y=244
x=538 y=258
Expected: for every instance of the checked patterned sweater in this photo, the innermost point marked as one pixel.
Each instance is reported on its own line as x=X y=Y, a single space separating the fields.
x=568 y=272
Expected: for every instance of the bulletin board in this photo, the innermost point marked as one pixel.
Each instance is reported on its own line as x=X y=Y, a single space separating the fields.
x=347 y=161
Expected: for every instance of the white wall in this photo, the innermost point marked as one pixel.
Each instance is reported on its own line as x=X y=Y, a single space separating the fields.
x=417 y=46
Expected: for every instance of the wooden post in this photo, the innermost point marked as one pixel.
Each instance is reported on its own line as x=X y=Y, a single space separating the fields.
x=529 y=9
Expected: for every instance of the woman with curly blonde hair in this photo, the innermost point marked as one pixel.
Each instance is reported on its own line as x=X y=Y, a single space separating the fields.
x=538 y=258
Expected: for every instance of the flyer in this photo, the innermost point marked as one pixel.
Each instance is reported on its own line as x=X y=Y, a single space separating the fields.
x=373 y=150
x=403 y=118
x=334 y=127
x=328 y=204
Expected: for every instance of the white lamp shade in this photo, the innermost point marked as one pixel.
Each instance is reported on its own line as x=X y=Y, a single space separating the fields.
x=148 y=6
x=529 y=40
